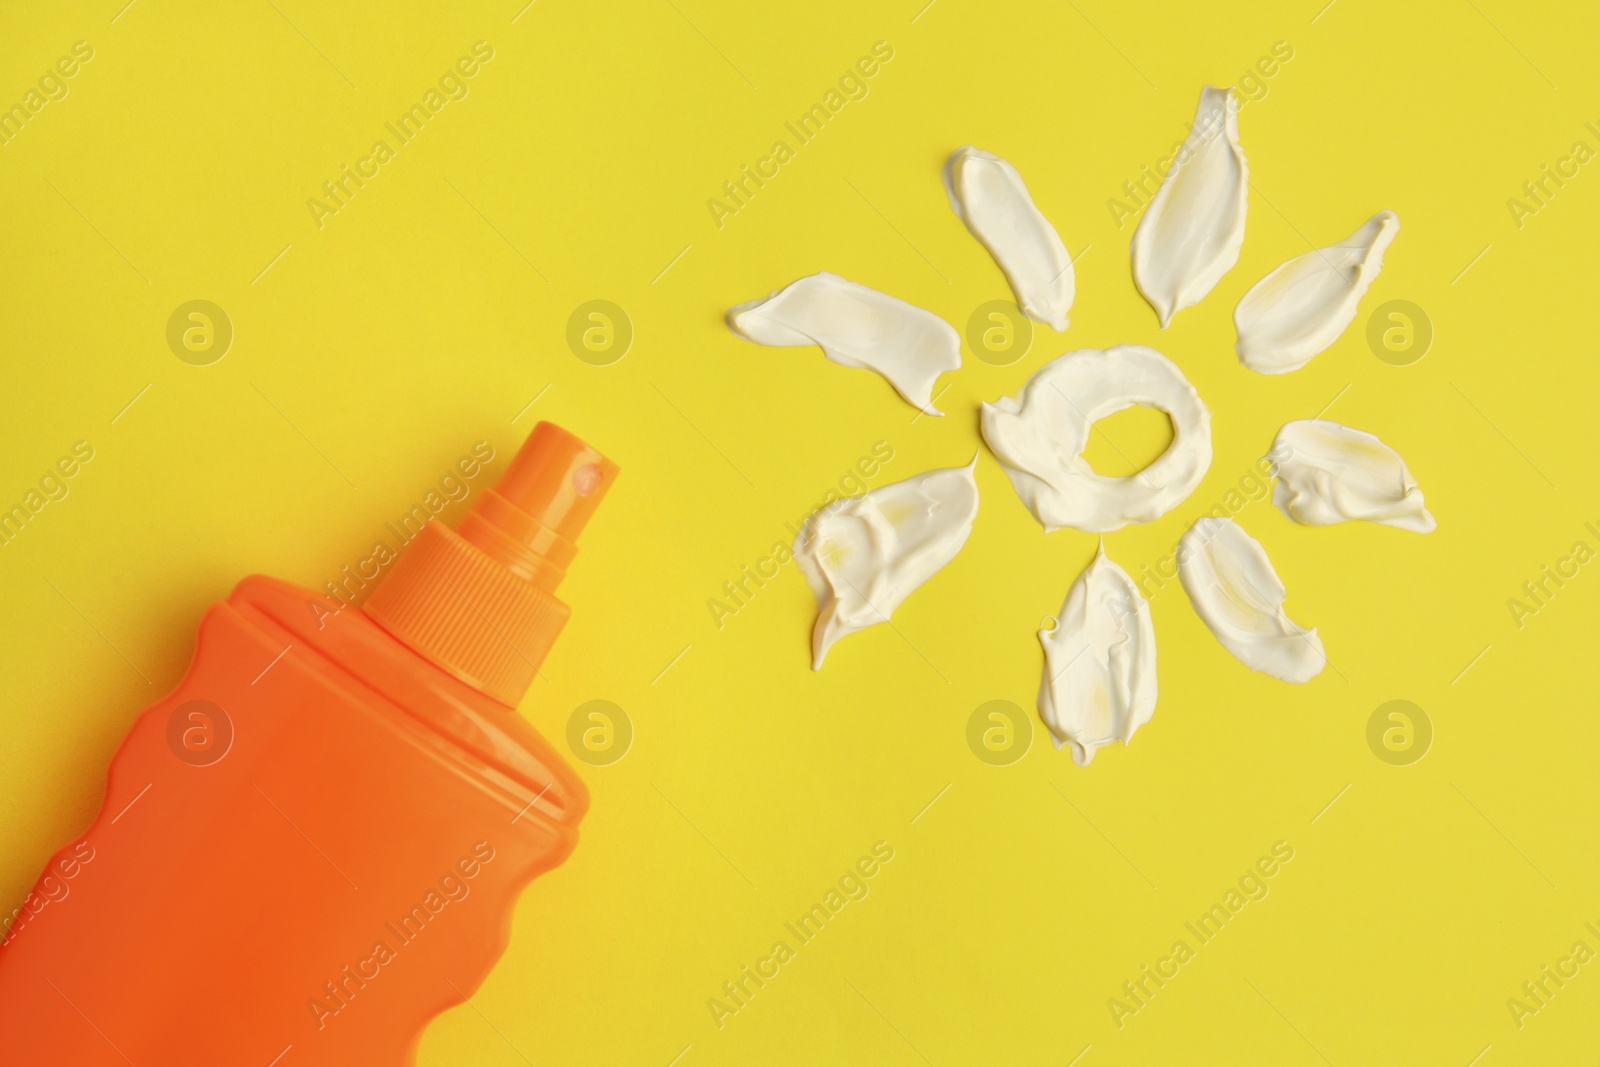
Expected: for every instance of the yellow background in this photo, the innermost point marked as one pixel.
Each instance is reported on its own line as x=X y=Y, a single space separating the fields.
x=430 y=311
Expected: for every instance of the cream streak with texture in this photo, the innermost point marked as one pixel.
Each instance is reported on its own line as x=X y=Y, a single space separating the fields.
x=1304 y=305
x=1099 y=682
x=1333 y=474
x=1191 y=232
x=1237 y=594
x=863 y=555
x=856 y=327
x=988 y=195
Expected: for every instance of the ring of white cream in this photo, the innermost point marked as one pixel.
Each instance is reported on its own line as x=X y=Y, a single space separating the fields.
x=1039 y=437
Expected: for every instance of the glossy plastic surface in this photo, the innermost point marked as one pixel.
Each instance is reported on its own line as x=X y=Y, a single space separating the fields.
x=307 y=850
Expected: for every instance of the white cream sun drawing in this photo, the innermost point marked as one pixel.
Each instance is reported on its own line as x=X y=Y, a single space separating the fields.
x=864 y=555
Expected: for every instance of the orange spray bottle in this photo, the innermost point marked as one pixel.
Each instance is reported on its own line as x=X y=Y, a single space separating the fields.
x=312 y=846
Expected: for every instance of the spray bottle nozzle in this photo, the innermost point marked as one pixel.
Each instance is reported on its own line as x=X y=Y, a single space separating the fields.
x=478 y=600
x=531 y=518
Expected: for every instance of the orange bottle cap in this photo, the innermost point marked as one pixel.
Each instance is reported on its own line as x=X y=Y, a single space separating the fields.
x=479 y=601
